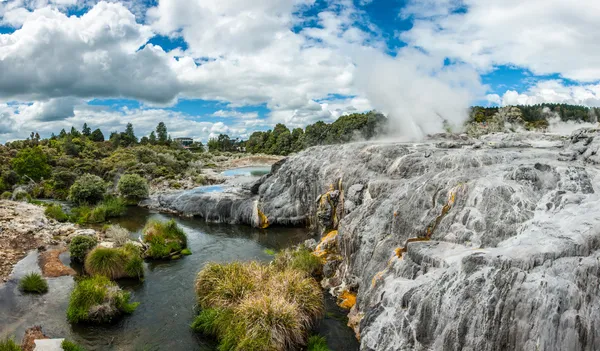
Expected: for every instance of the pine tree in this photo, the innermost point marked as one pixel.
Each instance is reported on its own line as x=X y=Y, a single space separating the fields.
x=152 y=138
x=161 y=133
x=86 y=130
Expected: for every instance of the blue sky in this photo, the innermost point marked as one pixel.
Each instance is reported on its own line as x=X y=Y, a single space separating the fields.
x=224 y=66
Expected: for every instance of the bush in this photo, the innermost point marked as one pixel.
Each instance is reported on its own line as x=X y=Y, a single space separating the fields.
x=109 y=208
x=301 y=259
x=9 y=345
x=87 y=189
x=125 y=262
x=251 y=306
x=21 y=195
x=31 y=162
x=133 y=187
x=164 y=239
x=33 y=283
x=98 y=300
x=71 y=346
x=55 y=211
x=118 y=234
x=80 y=246
x=317 y=343
x=6 y=195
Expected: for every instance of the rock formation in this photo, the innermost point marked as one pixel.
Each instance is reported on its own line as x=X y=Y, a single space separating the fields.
x=449 y=244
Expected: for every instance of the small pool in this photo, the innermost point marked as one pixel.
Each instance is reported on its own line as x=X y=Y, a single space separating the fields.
x=255 y=171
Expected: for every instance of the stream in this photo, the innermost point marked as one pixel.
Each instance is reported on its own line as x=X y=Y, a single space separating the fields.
x=166 y=296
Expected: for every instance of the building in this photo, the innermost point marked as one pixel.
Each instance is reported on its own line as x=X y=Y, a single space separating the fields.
x=185 y=142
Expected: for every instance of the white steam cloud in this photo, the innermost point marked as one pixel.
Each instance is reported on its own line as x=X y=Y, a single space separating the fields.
x=419 y=93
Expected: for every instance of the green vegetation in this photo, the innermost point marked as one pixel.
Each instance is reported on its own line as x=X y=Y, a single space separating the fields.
x=31 y=163
x=118 y=234
x=110 y=207
x=165 y=239
x=98 y=300
x=133 y=187
x=317 y=343
x=71 y=346
x=280 y=141
x=55 y=211
x=301 y=259
x=252 y=306
x=123 y=262
x=186 y=252
x=33 y=283
x=80 y=246
x=8 y=344
x=6 y=195
x=87 y=189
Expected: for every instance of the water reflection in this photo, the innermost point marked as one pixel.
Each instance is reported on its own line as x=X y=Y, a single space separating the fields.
x=166 y=295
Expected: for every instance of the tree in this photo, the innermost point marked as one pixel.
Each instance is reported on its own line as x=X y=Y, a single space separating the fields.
x=133 y=187
x=152 y=138
x=316 y=134
x=128 y=138
x=86 y=130
x=161 y=133
x=75 y=133
x=97 y=136
x=62 y=133
x=298 y=142
x=88 y=189
x=31 y=162
x=144 y=140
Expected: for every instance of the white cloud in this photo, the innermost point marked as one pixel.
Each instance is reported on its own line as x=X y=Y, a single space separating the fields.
x=551 y=91
x=235 y=114
x=544 y=36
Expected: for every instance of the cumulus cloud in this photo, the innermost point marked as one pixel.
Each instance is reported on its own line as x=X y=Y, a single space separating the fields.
x=95 y=55
x=551 y=91
x=544 y=36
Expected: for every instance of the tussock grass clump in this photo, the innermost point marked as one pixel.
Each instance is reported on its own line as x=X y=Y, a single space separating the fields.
x=118 y=234
x=9 y=344
x=124 y=262
x=71 y=346
x=164 y=239
x=98 y=300
x=33 y=283
x=301 y=259
x=252 y=306
x=317 y=343
x=55 y=211
x=80 y=246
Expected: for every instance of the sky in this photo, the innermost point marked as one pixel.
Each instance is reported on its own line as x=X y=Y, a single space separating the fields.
x=206 y=67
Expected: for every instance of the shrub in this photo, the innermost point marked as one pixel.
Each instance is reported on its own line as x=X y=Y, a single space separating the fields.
x=6 y=195
x=21 y=195
x=125 y=262
x=98 y=300
x=71 y=346
x=87 y=189
x=109 y=208
x=31 y=162
x=133 y=187
x=55 y=211
x=33 y=283
x=80 y=246
x=164 y=239
x=118 y=234
x=251 y=306
x=302 y=259
x=317 y=343
x=9 y=344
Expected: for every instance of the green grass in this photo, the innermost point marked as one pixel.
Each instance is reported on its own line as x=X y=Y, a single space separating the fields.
x=6 y=195
x=253 y=306
x=124 y=262
x=165 y=239
x=56 y=212
x=317 y=343
x=33 y=283
x=80 y=246
x=270 y=252
x=9 y=344
x=110 y=207
x=301 y=259
x=71 y=346
x=99 y=300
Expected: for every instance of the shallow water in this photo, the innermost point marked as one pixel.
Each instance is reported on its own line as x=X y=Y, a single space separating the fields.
x=255 y=171
x=167 y=297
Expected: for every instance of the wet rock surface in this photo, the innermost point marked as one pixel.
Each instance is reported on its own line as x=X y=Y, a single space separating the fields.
x=24 y=227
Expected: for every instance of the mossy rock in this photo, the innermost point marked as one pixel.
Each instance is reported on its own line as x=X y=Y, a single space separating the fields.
x=123 y=262
x=98 y=300
x=165 y=239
